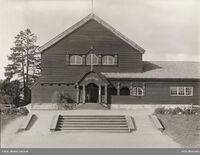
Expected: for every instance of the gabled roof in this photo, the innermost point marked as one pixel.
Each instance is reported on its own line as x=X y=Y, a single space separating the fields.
x=162 y=70
x=94 y=75
x=82 y=22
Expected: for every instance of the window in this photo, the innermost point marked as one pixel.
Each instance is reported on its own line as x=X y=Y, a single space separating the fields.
x=181 y=91
x=137 y=91
x=108 y=60
x=92 y=59
x=124 y=91
x=76 y=60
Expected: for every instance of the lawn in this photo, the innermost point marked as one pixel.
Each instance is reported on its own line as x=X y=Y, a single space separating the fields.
x=184 y=129
x=5 y=119
x=7 y=115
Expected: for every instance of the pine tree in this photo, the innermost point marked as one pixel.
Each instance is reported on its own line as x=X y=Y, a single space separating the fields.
x=25 y=61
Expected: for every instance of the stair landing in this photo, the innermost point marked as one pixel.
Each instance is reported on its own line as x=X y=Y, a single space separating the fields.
x=91 y=106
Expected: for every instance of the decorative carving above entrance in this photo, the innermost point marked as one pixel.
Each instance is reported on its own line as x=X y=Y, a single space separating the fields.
x=93 y=77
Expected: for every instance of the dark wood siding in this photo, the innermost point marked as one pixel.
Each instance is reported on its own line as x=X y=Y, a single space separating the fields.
x=155 y=93
x=55 y=69
x=48 y=94
x=159 y=93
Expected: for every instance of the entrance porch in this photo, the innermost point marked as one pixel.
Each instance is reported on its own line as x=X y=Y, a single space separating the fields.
x=92 y=88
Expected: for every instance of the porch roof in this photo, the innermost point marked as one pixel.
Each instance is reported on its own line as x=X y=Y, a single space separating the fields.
x=93 y=77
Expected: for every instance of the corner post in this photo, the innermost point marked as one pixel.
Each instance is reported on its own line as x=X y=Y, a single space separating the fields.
x=106 y=93
x=77 y=93
x=118 y=89
x=99 y=93
x=83 y=93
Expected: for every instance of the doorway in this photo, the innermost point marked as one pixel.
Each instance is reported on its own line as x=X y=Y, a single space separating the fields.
x=91 y=93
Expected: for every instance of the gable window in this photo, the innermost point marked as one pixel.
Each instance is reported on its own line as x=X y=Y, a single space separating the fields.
x=181 y=91
x=76 y=60
x=137 y=91
x=92 y=59
x=108 y=60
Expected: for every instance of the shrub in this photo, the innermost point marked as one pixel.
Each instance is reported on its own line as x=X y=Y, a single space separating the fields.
x=15 y=111
x=23 y=111
x=160 y=110
x=65 y=101
x=177 y=110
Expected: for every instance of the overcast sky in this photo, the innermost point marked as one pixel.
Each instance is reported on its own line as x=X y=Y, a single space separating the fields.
x=166 y=29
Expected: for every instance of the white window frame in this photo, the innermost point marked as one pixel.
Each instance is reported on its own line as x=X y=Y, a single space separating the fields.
x=106 y=58
x=178 y=89
x=136 y=89
x=92 y=59
x=76 y=60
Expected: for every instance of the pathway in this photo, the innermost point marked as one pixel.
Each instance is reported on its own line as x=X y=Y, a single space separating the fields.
x=39 y=136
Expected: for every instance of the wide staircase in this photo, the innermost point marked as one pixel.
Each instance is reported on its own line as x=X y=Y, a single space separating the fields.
x=94 y=123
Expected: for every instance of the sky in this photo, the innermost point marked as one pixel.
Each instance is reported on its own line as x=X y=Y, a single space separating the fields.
x=167 y=29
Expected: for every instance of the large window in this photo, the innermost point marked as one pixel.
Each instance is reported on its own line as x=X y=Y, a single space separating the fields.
x=76 y=60
x=92 y=59
x=181 y=91
x=108 y=60
x=138 y=91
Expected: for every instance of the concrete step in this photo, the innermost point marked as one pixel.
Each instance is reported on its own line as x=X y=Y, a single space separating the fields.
x=94 y=131
x=94 y=123
x=92 y=128
x=92 y=116
x=99 y=125
x=89 y=120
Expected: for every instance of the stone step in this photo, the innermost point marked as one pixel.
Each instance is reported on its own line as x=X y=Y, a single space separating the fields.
x=92 y=123
x=92 y=128
x=95 y=125
x=110 y=119
x=89 y=120
x=92 y=116
x=94 y=131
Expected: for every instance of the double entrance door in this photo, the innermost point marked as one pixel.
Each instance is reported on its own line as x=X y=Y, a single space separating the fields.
x=92 y=93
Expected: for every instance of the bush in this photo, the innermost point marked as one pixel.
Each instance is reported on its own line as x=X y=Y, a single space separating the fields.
x=23 y=111
x=10 y=92
x=177 y=110
x=160 y=110
x=15 y=111
x=9 y=111
x=65 y=101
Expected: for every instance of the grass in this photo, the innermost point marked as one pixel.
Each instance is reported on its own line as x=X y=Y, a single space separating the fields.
x=184 y=129
x=5 y=119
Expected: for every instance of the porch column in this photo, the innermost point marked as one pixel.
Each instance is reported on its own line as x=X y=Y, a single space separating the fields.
x=143 y=87
x=131 y=88
x=118 y=89
x=77 y=93
x=106 y=93
x=99 y=93
x=83 y=93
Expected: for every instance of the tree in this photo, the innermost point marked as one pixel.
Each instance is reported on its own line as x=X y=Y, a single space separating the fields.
x=25 y=61
x=10 y=92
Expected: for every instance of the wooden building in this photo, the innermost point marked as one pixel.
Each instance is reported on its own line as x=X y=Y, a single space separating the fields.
x=93 y=62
